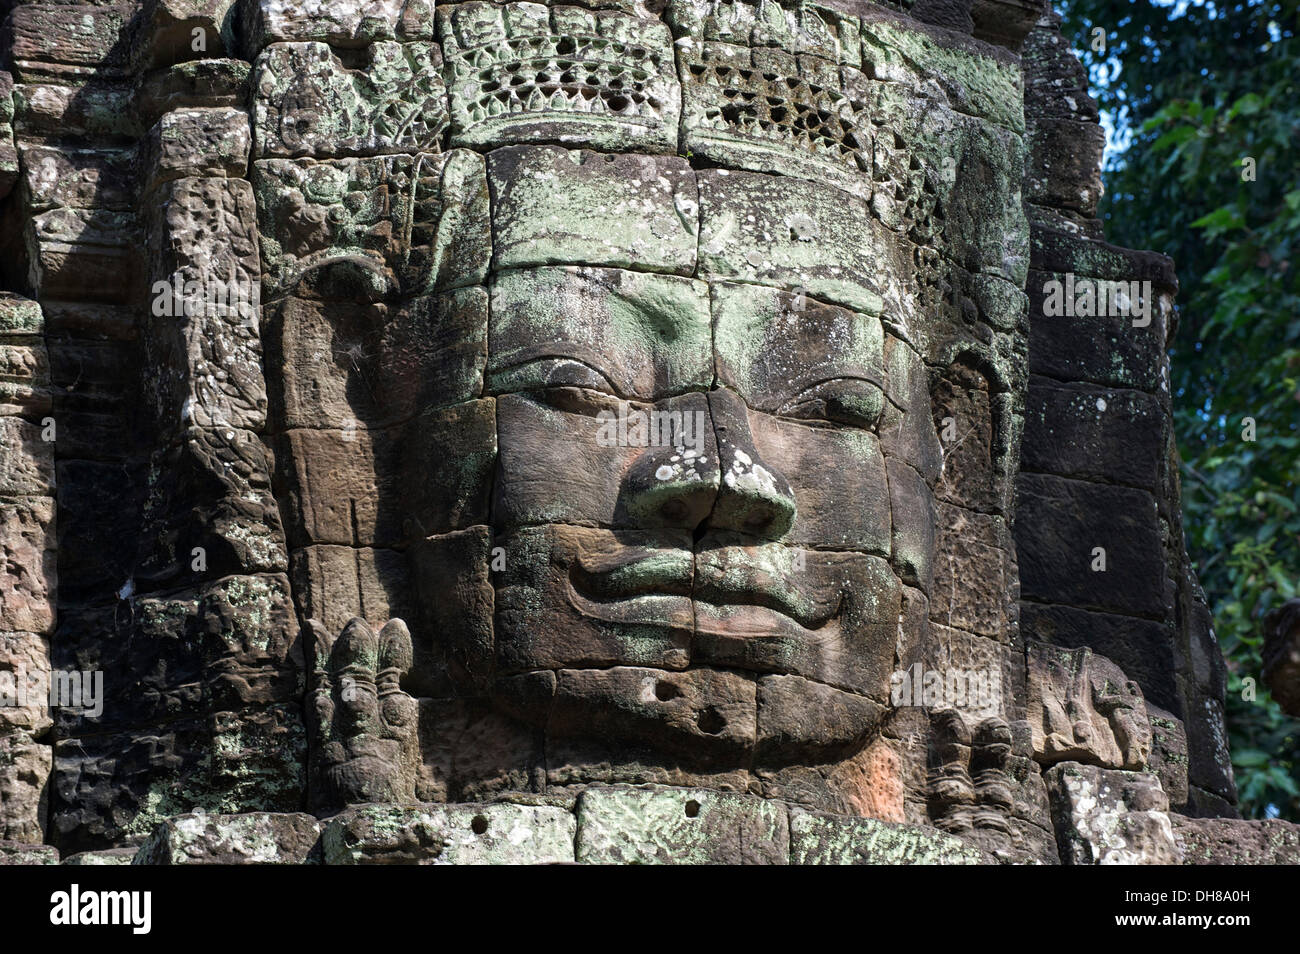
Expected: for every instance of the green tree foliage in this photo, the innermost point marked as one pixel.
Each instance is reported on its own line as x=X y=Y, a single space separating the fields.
x=1193 y=91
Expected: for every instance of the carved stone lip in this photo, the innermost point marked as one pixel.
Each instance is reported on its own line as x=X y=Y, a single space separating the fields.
x=745 y=621
x=747 y=596
x=634 y=585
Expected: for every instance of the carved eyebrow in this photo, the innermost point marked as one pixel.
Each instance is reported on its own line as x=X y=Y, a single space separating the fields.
x=556 y=351
x=798 y=389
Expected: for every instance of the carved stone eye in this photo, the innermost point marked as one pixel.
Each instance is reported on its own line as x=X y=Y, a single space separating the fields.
x=851 y=401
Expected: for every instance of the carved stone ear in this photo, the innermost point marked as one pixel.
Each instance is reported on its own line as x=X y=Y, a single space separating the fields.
x=971 y=401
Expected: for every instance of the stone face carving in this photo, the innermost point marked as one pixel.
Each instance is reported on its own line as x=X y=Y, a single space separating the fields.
x=1282 y=655
x=1082 y=708
x=611 y=398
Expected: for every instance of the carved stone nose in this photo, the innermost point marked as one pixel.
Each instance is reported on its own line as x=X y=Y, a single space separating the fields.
x=753 y=498
x=674 y=483
x=672 y=487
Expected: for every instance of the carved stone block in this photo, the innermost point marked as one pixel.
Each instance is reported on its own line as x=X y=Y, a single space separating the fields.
x=613 y=325
x=1106 y=817
x=680 y=826
x=205 y=141
x=1082 y=708
x=25 y=767
x=341 y=23
x=255 y=838
x=787 y=233
x=453 y=835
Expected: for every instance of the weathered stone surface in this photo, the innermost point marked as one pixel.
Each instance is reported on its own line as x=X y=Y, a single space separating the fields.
x=99 y=108
x=237 y=528
x=787 y=353
x=701 y=714
x=471 y=751
x=109 y=856
x=564 y=460
x=819 y=839
x=852 y=606
x=85 y=254
x=24 y=671
x=452 y=577
x=206 y=141
x=214 y=83
x=117 y=788
x=638 y=335
x=557 y=206
x=342 y=23
x=1092 y=434
x=172 y=30
x=20 y=317
x=254 y=838
x=1142 y=648
x=58 y=39
x=28 y=553
x=334 y=583
x=346 y=364
x=8 y=152
x=976 y=80
x=307 y=103
x=907 y=426
x=1230 y=841
x=1077 y=518
x=1168 y=759
x=680 y=826
x=219 y=647
x=376 y=487
x=25 y=767
x=798 y=718
x=364 y=728
x=1107 y=351
x=1107 y=817
x=771 y=110
x=1070 y=165
x=25 y=853
x=791 y=234
x=970 y=567
x=77 y=178
x=27 y=466
x=206 y=297
x=498 y=834
x=585 y=629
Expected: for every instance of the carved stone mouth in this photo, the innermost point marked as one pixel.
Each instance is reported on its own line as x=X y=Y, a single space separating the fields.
x=727 y=591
